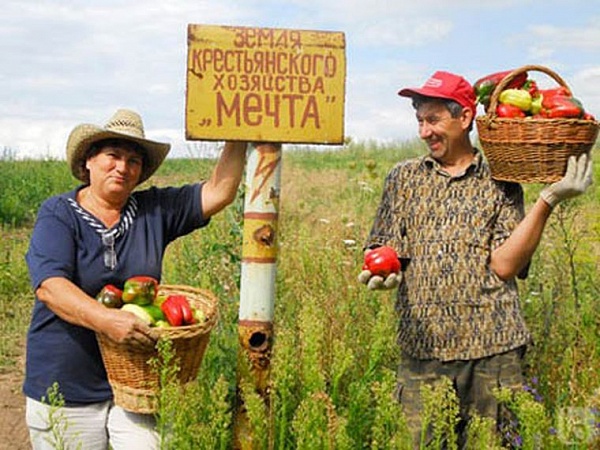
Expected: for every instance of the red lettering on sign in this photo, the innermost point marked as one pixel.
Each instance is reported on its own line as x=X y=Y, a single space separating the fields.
x=311 y=112
x=264 y=37
x=276 y=63
x=223 y=111
x=252 y=110
x=255 y=110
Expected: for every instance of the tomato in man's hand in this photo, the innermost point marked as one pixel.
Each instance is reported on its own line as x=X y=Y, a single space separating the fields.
x=382 y=261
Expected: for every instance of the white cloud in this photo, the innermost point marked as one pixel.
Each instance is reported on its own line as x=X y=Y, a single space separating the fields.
x=70 y=61
x=586 y=86
x=34 y=138
x=586 y=37
x=390 y=32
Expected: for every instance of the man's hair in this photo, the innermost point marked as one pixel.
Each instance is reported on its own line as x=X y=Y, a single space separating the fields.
x=454 y=108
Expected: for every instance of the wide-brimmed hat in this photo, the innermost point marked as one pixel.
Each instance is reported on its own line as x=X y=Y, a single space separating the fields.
x=445 y=85
x=124 y=124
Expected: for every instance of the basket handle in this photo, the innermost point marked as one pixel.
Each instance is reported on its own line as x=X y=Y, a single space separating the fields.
x=508 y=78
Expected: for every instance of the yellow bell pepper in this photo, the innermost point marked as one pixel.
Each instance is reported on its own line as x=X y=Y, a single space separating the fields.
x=516 y=97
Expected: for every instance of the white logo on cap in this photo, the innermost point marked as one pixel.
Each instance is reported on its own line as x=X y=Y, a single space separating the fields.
x=433 y=82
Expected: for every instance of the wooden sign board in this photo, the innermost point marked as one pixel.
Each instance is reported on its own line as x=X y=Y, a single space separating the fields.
x=265 y=85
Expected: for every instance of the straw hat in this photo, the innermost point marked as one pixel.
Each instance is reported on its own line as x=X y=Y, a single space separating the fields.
x=124 y=124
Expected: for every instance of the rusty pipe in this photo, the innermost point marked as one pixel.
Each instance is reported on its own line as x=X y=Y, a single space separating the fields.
x=259 y=265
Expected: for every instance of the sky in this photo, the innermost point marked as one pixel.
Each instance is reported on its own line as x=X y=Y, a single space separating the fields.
x=68 y=62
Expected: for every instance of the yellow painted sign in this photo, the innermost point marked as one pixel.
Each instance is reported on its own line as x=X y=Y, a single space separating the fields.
x=265 y=85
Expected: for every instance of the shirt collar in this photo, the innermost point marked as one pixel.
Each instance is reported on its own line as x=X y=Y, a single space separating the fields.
x=476 y=167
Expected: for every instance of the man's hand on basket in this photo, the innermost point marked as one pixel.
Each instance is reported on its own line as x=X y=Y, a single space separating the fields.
x=577 y=179
x=377 y=282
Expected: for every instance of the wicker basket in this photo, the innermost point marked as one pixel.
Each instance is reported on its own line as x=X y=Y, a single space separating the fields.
x=532 y=150
x=134 y=382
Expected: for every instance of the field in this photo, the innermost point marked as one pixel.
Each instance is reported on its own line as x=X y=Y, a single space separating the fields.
x=334 y=355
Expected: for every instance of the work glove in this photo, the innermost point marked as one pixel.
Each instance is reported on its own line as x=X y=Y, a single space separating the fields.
x=576 y=180
x=377 y=282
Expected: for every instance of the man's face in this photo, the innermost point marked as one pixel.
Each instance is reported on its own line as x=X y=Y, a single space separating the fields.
x=439 y=130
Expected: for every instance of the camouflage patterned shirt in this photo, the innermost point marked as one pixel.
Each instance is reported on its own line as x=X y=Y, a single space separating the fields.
x=451 y=305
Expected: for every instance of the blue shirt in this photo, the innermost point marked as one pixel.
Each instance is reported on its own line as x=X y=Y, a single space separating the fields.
x=69 y=242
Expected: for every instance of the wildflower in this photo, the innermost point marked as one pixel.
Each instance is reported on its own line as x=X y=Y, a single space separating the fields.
x=518 y=441
x=533 y=390
x=365 y=187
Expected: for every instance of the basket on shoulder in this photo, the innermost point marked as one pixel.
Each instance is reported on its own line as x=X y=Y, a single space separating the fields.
x=527 y=133
x=185 y=315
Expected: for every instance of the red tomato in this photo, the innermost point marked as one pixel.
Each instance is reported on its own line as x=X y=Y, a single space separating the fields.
x=382 y=261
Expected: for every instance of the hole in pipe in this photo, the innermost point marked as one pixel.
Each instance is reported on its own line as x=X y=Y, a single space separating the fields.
x=257 y=340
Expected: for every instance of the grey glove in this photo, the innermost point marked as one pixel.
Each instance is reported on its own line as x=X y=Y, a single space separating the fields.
x=376 y=282
x=576 y=180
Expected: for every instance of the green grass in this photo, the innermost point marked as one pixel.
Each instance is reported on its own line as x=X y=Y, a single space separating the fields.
x=334 y=357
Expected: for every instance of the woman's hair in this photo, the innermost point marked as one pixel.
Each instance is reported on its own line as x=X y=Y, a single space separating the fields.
x=97 y=147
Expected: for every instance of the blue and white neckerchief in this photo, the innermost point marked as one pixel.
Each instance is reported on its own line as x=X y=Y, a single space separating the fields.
x=109 y=236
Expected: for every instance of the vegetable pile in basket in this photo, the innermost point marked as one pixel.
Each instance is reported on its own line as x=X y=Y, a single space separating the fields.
x=140 y=296
x=522 y=98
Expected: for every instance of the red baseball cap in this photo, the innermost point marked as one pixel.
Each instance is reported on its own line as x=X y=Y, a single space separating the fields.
x=445 y=85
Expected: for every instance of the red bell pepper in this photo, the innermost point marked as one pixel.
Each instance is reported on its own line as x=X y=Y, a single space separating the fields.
x=559 y=106
x=559 y=91
x=172 y=312
x=140 y=290
x=186 y=309
x=382 y=261
x=178 y=311
x=509 y=111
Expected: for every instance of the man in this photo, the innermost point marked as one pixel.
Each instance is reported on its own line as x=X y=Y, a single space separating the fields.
x=463 y=239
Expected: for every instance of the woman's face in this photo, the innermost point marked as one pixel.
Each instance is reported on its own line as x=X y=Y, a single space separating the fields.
x=116 y=167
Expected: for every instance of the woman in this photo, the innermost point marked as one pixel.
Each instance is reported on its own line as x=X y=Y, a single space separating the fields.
x=103 y=233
